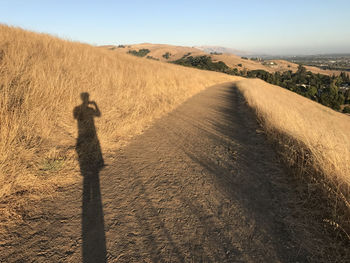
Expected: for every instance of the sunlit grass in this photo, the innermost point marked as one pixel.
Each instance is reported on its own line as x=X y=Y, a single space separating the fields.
x=41 y=78
x=315 y=139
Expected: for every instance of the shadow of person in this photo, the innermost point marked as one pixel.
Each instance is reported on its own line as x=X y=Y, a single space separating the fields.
x=91 y=162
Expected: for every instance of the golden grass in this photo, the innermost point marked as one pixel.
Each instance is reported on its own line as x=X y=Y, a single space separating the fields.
x=158 y=50
x=231 y=60
x=317 y=138
x=177 y=52
x=283 y=65
x=41 y=78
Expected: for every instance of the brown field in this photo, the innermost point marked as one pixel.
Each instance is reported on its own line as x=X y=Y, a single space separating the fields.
x=315 y=139
x=231 y=60
x=282 y=65
x=40 y=83
x=158 y=50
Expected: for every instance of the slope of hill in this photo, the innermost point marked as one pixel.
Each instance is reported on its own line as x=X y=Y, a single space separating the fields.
x=41 y=81
x=201 y=185
x=158 y=51
x=314 y=141
x=176 y=52
x=284 y=65
x=218 y=49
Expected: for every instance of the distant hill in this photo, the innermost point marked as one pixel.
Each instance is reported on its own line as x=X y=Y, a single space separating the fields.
x=168 y=53
x=158 y=51
x=224 y=50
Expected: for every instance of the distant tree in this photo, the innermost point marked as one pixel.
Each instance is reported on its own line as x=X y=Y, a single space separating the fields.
x=235 y=71
x=287 y=75
x=330 y=97
x=301 y=75
x=141 y=53
x=150 y=57
x=346 y=109
x=167 y=55
x=347 y=96
x=277 y=78
x=203 y=62
x=344 y=78
x=301 y=69
x=312 y=93
x=186 y=55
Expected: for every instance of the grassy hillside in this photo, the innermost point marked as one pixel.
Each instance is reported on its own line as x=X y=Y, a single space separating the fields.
x=313 y=139
x=177 y=52
x=158 y=50
x=40 y=83
x=283 y=65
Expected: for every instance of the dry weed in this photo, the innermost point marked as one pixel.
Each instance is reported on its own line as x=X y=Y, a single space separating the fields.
x=315 y=141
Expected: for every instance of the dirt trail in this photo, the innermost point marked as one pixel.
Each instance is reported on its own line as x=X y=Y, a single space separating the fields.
x=201 y=185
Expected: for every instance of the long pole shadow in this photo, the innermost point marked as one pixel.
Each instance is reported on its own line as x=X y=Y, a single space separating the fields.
x=91 y=162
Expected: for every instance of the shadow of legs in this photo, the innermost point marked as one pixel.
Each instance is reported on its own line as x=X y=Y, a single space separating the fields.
x=94 y=240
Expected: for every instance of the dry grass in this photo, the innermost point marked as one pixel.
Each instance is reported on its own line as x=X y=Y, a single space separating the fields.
x=177 y=52
x=158 y=50
x=41 y=78
x=315 y=139
x=283 y=65
x=231 y=60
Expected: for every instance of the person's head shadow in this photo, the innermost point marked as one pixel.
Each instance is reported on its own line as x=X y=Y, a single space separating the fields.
x=91 y=162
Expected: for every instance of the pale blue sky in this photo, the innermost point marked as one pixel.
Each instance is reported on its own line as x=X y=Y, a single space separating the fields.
x=268 y=26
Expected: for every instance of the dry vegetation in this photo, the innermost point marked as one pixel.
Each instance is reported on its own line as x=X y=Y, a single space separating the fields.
x=314 y=140
x=177 y=52
x=158 y=50
x=41 y=78
x=284 y=65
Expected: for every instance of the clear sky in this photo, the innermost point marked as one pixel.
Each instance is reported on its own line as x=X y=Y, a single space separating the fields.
x=265 y=26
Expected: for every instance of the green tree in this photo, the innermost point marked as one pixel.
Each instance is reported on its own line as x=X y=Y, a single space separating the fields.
x=167 y=55
x=330 y=96
x=141 y=53
x=347 y=97
x=301 y=75
x=346 y=109
x=301 y=70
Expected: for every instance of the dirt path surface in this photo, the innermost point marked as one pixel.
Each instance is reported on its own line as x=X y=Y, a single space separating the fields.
x=201 y=185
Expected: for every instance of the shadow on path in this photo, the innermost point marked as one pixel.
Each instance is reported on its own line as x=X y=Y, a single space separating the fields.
x=91 y=162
